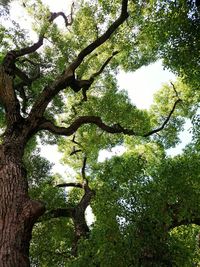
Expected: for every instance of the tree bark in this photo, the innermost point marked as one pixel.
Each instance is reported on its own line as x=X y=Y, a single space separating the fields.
x=17 y=211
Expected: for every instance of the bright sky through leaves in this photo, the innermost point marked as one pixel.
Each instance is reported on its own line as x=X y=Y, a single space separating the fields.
x=141 y=85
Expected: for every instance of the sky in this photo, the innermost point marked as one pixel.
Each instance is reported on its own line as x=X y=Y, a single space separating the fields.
x=143 y=83
x=141 y=86
x=59 y=5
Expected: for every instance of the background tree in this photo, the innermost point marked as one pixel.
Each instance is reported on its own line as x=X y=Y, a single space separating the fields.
x=65 y=84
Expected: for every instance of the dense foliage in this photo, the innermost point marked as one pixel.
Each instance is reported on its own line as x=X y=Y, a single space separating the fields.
x=146 y=203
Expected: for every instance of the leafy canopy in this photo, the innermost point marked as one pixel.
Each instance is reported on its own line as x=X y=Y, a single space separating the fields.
x=146 y=203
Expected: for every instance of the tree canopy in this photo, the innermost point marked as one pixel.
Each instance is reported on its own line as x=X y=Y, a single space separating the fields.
x=63 y=89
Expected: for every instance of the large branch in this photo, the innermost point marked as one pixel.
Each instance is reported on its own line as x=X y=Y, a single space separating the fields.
x=103 y=38
x=63 y=81
x=78 y=185
x=48 y=125
x=116 y=128
x=9 y=101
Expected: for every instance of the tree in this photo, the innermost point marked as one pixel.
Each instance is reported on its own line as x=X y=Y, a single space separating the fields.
x=64 y=84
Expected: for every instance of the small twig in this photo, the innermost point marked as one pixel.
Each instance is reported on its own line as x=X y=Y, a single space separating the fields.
x=175 y=90
x=83 y=170
x=75 y=151
x=75 y=142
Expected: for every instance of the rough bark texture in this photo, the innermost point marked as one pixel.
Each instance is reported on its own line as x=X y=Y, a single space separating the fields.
x=17 y=211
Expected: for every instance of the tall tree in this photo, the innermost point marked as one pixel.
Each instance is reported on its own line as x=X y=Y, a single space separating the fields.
x=71 y=74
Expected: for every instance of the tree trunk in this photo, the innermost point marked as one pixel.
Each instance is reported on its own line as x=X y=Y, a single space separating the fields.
x=17 y=212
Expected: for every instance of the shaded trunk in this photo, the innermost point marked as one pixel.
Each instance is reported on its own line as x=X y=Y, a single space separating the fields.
x=17 y=212
x=81 y=229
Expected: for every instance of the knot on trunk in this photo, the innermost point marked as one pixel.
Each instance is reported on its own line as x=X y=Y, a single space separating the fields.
x=9 y=63
x=32 y=210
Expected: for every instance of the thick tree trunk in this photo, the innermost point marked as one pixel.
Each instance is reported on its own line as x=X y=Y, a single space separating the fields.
x=17 y=212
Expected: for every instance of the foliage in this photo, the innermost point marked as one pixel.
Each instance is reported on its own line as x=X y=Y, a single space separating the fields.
x=146 y=203
x=171 y=28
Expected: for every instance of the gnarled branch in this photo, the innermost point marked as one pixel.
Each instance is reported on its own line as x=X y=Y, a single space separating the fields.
x=77 y=84
x=78 y=185
x=116 y=128
x=67 y=131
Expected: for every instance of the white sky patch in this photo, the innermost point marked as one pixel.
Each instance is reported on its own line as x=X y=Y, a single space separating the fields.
x=89 y=216
x=19 y=14
x=59 y=5
x=144 y=82
x=115 y=151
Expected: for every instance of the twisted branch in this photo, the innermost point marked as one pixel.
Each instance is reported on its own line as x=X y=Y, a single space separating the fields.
x=117 y=128
x=50 y=126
